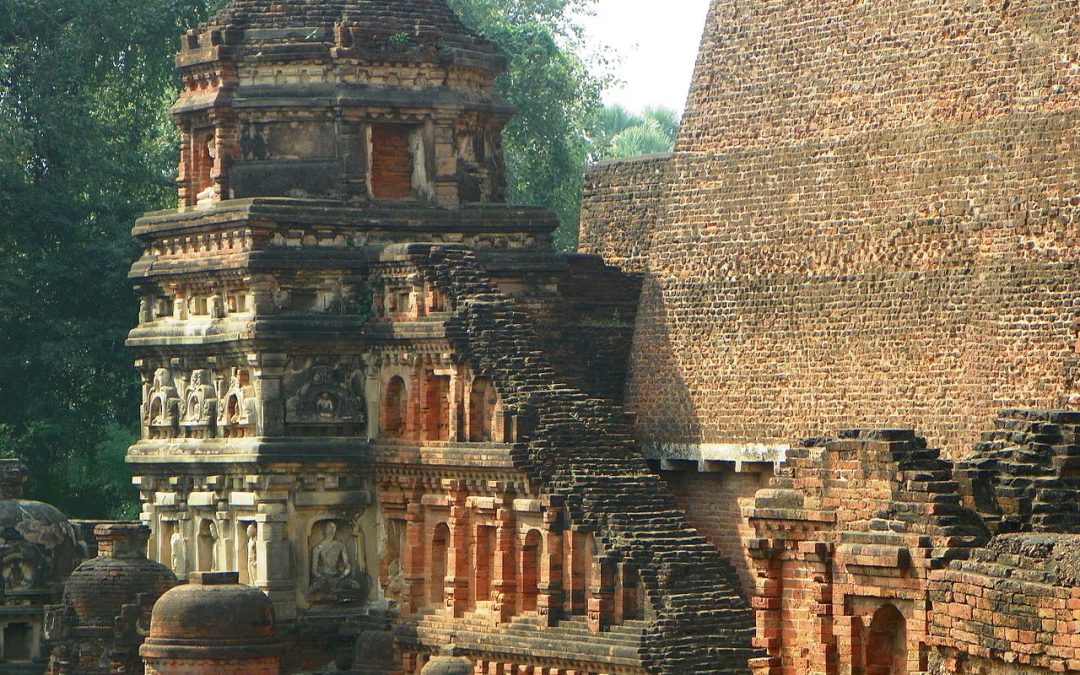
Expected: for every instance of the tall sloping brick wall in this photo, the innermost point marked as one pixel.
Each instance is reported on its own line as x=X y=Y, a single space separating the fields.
x=871 y=221
x=579 y=448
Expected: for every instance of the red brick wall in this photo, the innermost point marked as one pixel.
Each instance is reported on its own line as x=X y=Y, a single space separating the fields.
x=622 y=202
x=871 y=222
x=391 y=162
x=713 y=503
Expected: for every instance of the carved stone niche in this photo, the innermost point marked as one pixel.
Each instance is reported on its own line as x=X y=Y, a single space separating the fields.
x=327 y=402
x=162 y=416
x=236 y=416
x=338 y=564
x=200 y=406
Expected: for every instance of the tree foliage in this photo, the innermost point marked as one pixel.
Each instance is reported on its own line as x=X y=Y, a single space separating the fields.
x=86 y=146
x=547 y=142
x=621 y=133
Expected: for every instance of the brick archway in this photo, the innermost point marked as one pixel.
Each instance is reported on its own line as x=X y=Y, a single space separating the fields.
x=395 y=405
x=530 y=569
x=886 y=643
x=440 y=547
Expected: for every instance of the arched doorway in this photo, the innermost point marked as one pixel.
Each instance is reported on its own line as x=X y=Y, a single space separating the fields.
x=530 y=570
x=440 y=543
x=395 y=404
x=886 y=643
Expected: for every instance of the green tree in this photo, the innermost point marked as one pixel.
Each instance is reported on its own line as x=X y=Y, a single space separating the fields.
x=620 y=133
x=547 y=142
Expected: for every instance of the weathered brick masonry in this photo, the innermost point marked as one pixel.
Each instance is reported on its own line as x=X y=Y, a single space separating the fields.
x=870 y=221
x=623 y=201
x=580 y=450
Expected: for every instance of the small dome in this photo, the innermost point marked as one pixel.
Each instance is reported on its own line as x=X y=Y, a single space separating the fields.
x=213 y=609
x=37 y=543
x=98 y=589
x=447 y=665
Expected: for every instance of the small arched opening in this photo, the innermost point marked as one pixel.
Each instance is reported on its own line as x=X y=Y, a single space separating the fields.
x=437 y=408
x=530 y=569
x=483 y=563
x=440 y=548
x=482 y=400
x=395 y=404
x=886 y=643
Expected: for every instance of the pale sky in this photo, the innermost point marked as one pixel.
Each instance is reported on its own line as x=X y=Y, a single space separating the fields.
x=656 y=43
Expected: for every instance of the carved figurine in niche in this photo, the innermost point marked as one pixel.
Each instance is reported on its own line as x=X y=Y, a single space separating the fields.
x=395 y=570
x=333 y=572
x=178 y=553
x=163 y=405
x=206 y=157
x=237 y=416
x=17 y=573
x=252 y=532
x=328 y=396
x=207 y=546
x=200 y=401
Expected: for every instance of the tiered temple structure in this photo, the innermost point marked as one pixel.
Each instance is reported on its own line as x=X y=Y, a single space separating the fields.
x=375 y=391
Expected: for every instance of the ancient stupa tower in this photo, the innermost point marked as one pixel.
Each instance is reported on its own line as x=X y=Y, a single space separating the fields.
x=311 y=132
x=346 y=342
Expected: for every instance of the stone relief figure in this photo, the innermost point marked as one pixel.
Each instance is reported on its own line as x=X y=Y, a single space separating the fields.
x=252 y=532
x=208 y=192
x=327 y=396
x=200 y=401
x=395 y=572
x=178 y=553
x=333 y=575
x=163 y=404
x=17 y=573
x=207 y=546
x=237 y=416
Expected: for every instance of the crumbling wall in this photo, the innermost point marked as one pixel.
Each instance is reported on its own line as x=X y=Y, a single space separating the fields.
x=579 y=448
x=871 y=221
x=1015 y=602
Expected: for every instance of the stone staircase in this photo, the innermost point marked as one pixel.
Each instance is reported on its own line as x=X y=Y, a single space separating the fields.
x=580 y=448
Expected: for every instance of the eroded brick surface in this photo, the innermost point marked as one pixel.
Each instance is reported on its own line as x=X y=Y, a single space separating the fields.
x=870 y=221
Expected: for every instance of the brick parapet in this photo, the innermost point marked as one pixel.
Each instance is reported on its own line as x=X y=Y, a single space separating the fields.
x=622 y=201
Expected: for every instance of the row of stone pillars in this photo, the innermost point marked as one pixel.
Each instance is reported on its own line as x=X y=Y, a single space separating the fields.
x=493 y=566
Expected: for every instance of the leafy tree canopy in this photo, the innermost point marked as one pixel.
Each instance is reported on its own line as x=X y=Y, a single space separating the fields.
x=546 y=143
x=620 y=133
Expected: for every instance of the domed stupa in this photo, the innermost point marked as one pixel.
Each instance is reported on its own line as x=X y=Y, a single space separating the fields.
x=106 y=604
x=37 y=553
x=213 y=625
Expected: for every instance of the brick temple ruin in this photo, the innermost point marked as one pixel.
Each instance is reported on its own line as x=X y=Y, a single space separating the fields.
x=805 y=402
x=867 y=237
